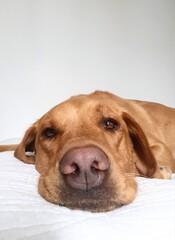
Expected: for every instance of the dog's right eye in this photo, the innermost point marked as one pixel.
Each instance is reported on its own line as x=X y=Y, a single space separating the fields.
x=49 y=133
x=110 y=124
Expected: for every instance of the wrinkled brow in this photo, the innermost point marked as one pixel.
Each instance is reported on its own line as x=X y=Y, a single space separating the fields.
x=107 y=111
x=48 y=123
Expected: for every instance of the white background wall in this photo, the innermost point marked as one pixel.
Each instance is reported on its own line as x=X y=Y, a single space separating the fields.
x=51 y=49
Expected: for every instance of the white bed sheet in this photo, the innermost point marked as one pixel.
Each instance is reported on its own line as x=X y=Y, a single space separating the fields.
x=25 y=215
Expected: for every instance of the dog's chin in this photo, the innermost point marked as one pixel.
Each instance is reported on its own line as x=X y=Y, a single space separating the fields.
x=93 y=201
x=99 y=199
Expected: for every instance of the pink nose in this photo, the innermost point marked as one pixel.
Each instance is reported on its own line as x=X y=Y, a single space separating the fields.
x=84 y=168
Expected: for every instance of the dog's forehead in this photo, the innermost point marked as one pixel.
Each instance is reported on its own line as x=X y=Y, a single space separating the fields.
x=82 y=106
x=78 y=105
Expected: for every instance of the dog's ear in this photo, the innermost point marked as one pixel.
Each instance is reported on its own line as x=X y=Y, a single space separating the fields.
x=26 y=149
x=145 y=161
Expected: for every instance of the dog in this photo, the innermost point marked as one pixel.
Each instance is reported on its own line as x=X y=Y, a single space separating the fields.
x=89 y=149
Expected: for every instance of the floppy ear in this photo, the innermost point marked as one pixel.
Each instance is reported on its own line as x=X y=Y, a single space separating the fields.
x=145 y=163
x=26 y=149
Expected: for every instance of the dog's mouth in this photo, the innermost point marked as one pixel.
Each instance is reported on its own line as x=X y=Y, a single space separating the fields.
x=102 y=198
x=97 y=199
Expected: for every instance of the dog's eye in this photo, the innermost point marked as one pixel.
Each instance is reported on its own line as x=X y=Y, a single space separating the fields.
x=49 y=133
x=110 y=124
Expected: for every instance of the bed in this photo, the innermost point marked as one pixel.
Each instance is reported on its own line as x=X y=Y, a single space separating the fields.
x=25 y=215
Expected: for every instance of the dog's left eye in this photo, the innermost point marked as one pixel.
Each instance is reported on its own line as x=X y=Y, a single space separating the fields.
x=49 y=133
x=110 y=124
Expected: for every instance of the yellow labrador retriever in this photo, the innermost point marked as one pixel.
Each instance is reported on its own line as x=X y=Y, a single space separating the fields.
x=89 y=149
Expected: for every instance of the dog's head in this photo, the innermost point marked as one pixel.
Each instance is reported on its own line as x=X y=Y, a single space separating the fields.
x=88 y=151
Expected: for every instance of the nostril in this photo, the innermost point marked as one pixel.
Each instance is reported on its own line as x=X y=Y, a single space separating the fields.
x=76 y=169
x=70 y=169
x=100 y=165
x=95 y=164
x=94 y=170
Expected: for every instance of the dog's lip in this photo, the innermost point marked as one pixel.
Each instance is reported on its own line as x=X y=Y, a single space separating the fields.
x=97 y=199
